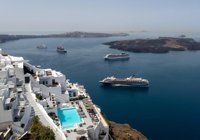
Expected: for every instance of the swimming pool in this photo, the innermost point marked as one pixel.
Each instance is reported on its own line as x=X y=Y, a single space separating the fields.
x=68 y=118
x=67 y=84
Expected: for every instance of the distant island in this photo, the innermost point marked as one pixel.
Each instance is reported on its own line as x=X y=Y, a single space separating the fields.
x=5 y=37
x=182 y=35
x=143 y=31
x=159 y=45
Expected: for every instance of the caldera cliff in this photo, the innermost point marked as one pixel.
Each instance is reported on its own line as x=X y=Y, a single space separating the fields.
x=123 y=131
x=5 y=37
x=159 y=45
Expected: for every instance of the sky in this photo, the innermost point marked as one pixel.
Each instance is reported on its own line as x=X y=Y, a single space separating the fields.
x=99 y=15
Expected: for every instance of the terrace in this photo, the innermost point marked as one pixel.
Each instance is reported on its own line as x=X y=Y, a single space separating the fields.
x=90 y=119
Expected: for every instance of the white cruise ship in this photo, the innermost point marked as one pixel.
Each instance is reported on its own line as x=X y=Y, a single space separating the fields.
x=20 y=85
x=131 y=81
x=117 y=56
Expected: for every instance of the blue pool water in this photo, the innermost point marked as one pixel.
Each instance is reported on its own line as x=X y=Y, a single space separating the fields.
x=67 y=84
x=68 y=118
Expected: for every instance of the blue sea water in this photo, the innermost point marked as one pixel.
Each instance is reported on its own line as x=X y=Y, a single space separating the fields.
x=168 y=109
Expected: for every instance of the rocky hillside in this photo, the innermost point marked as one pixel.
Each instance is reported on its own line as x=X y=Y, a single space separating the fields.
x=123 y=131
x=4 y=37
x=159 y=45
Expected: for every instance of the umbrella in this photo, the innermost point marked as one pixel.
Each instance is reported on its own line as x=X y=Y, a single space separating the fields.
x=91 y=126
x=90 y=107
x=86 y=99
x=89 y=104
x=81 y=132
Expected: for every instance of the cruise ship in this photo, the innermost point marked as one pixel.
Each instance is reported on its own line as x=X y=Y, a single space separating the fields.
x=27 y=91
x=117 y=56
x=41 y=46
x=131 y=81
x=61 y=49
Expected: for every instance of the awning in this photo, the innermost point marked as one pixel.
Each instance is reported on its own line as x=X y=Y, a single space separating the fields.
x=43 y=79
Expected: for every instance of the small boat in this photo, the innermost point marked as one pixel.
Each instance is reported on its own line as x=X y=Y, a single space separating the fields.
x=41 y=46
x=117 y=56
x=61 y=49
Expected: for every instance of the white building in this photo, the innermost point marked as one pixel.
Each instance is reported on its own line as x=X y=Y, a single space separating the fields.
x=26 y=91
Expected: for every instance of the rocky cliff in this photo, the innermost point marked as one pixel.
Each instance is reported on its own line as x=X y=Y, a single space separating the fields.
x=123 y=131
x=159 y=45
x=4 y=37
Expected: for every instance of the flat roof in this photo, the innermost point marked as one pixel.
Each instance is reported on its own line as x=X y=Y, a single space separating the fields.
x=13 y=58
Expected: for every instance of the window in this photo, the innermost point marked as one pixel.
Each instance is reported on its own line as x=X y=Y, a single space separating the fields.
x=46 y=82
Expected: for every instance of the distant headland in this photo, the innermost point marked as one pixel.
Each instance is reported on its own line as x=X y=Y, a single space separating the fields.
x=5 y=37
x=159 y=45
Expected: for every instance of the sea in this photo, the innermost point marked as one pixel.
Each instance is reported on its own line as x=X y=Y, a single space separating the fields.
x=168 y=110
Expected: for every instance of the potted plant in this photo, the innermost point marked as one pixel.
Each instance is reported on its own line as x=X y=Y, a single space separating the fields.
x=22 y=125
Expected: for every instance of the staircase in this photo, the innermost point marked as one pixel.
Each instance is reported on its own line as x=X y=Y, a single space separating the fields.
x=38 y=110
x=17 y=132
x=32 y=112
x=28 y=125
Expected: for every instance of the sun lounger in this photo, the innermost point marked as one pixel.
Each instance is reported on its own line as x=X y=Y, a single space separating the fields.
x=81 y=113
x=82 y=116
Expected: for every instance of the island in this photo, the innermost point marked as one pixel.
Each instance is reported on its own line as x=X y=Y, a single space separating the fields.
x=5 y=37
x=182 y=35
x=158 y=45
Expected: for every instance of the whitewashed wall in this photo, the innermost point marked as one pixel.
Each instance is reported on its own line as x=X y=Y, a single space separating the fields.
x=26 y=116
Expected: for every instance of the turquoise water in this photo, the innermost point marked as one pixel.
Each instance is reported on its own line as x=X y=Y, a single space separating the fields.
x=67 y=84
x=68 y=118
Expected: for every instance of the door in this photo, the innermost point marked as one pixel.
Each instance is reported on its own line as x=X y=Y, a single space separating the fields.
x=53 y=81
x=27 y=79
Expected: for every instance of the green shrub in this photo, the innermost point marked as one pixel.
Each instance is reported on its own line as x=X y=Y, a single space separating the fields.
x=40 y=132
x=39 y=97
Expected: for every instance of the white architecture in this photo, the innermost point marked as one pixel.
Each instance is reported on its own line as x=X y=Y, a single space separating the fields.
x=26 y=91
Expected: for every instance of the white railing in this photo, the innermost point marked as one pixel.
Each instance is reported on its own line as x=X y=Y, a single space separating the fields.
x=50 y=120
